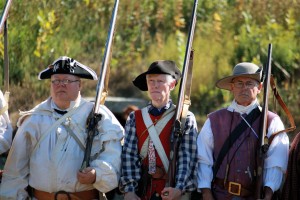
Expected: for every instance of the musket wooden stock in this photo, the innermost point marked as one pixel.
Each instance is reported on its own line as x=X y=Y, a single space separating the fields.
x=101 y=91
x=263 y=140
x=177 y=130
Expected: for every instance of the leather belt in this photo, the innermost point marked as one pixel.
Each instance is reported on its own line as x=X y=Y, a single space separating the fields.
x=63 y=195
x=233 y=188
x=160 y=173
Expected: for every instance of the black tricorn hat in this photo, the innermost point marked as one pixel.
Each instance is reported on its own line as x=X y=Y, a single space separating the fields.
x=66 y=65
x=157 y=67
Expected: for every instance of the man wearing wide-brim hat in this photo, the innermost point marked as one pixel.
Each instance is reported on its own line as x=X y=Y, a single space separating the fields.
x=146 y=149
x=228 y=172
x=48 y=149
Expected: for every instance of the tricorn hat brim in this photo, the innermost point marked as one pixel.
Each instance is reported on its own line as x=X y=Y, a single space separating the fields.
x=66 y=65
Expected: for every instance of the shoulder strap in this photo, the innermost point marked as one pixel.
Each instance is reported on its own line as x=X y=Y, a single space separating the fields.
x=159 y=123
x=55 y=125
x=74 y=136
x=5 y=107
x=233 y=136
x=154 y=132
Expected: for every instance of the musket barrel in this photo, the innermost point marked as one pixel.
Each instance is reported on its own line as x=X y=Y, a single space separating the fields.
x=6 y=59
x=95 y=116
x=266 y=82
x=176 y=131
x=5 y=14
x=3 y=26
x=186 y=60
x=105 y=61
x=263 y=140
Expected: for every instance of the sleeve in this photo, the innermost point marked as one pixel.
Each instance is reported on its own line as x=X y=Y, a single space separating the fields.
x=5 y=126
x=277 y=156
x=273 y=178
x=16 y=169
x=108 y=162
x=131 y=165
x=205 y=146
x=187 y=156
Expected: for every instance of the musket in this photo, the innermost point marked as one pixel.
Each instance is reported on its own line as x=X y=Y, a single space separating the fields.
x=5 y=14
x=3 y=26
x=177 y=131
x=101 y=91
x=263 y=139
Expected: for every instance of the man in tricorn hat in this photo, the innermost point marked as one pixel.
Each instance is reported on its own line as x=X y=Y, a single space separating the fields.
x=146 y=149
x=229 y=173
x=49 y=146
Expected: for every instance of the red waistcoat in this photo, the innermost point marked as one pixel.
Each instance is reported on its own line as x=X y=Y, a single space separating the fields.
x=156 y=185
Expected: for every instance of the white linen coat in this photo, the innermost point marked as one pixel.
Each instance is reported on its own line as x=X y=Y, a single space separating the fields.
x=5 y=126
x=48 y=158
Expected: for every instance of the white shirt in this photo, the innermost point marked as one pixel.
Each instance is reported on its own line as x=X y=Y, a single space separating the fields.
x=275 y=162
x=51 y=164
x=5 y=126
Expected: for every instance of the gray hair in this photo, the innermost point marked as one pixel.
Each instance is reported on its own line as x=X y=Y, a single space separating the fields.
x=169 y=77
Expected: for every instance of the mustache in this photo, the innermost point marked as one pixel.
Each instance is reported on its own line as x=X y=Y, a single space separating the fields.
x=244 y=94
x=60 y=91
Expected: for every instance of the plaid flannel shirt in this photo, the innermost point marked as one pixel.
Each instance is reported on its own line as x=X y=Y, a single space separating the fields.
x=187 y=155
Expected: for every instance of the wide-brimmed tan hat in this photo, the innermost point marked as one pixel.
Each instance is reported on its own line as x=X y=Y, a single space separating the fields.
x=244 y=69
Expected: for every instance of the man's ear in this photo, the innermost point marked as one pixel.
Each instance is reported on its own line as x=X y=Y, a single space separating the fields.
x=231 y=87
x=172 y=85
x=260 y=86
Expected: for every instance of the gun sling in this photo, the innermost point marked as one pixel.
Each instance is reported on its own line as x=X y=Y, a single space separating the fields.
x=285 y=109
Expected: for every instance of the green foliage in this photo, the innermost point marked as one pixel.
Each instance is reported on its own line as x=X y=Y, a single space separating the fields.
x=227 y=32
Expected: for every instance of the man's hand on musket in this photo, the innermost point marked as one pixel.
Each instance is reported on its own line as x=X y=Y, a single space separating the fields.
x=131 y=196
x=87 y=176
x=268 y=193
x=207 y=194
x=170 y=193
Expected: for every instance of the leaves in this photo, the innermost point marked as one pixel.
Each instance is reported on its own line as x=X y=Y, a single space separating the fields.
x=227 y=32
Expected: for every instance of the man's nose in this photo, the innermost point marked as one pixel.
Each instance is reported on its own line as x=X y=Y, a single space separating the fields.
x=154 y=83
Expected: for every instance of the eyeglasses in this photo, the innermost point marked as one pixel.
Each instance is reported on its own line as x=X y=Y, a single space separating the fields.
x=63 y=82
x=248 y=84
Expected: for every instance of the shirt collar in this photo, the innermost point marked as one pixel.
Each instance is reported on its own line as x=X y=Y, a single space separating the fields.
x=235 y=107
x=158 y=111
